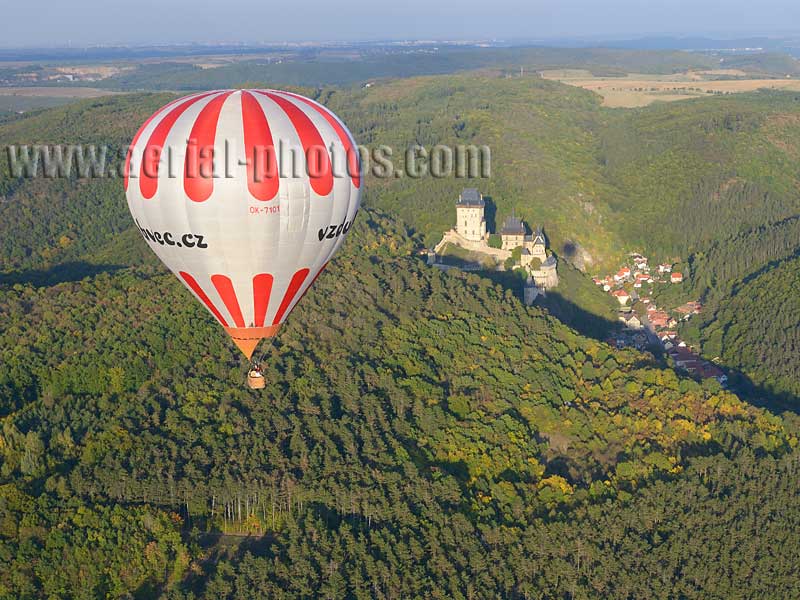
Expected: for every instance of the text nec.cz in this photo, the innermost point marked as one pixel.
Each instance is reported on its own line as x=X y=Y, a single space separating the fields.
x=187 y=240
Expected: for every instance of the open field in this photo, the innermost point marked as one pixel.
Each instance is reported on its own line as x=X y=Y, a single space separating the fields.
x=637 y=89
x=23 y=99
x=55 y=92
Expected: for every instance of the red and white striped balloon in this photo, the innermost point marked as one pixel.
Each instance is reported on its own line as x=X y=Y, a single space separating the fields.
x=210 y=188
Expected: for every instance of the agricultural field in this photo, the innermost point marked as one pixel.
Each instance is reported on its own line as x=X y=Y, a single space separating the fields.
x=23 y=99
x=639 y=89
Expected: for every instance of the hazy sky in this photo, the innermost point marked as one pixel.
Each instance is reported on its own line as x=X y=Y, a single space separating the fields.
x=83 y=22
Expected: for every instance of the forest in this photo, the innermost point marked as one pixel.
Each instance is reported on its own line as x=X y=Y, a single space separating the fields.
x=369 y=432
x=423 y=434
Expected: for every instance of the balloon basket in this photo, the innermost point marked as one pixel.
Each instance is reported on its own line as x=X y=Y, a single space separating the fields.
x=256 y=381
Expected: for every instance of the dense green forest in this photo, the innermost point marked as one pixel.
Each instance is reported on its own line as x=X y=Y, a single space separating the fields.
x=423 y=434
x=755 y=331
x=438 y=410
x=747 y=283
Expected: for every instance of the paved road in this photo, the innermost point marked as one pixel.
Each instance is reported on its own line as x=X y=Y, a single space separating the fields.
x=649 y=330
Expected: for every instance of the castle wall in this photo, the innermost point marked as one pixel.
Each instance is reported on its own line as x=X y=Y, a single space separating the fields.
x=512 y=241
x=455 y=238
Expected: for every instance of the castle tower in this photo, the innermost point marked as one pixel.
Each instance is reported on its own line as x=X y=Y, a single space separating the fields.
x=470 y=218
x=546 y=275
x=537 y=245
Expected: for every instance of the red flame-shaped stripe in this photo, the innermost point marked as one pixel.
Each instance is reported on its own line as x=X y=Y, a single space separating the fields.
x=294 y=285
x=195 y=287
x=262 y=163
x=225 y=289
x=319 y=166
x=198 y=178
x=148 y=178
x=127 y=171
x=353 y=162
x=262 y=289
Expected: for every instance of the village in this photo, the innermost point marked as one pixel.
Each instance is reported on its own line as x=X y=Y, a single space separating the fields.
x=643 y=323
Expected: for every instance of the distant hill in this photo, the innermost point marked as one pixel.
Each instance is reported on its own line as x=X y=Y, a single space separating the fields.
x=318 y=69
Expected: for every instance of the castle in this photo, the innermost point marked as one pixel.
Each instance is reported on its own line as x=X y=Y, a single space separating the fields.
x=470 y=233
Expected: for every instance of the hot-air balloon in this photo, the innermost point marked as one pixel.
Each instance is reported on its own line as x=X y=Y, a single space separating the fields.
x=209 y=184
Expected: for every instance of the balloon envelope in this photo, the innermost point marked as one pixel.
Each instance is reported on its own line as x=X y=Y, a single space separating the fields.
x=245 y=195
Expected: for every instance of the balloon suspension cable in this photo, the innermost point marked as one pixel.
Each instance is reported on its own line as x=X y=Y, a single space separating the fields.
x=269 y=344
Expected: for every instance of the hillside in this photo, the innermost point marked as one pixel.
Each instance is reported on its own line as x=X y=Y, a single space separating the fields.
x=434 y=407
x=754 y=331
x=708 y=182
x=668 y=179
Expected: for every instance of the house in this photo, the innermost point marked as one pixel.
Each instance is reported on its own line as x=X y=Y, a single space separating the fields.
x=622 y=274
x=684 y=358
x=470 y=218
x=630 y=320
x=676 y=277
x=690 y=308
x=664 y=268
x=622 y=296
x=658 y=319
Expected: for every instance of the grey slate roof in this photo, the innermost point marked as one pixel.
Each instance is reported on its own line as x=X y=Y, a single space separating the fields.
x=470 y=197
x=513 y=226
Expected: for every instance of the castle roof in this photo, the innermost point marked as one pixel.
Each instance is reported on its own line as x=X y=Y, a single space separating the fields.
x=513 y=226
x=470 y=197
x=538 y=236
